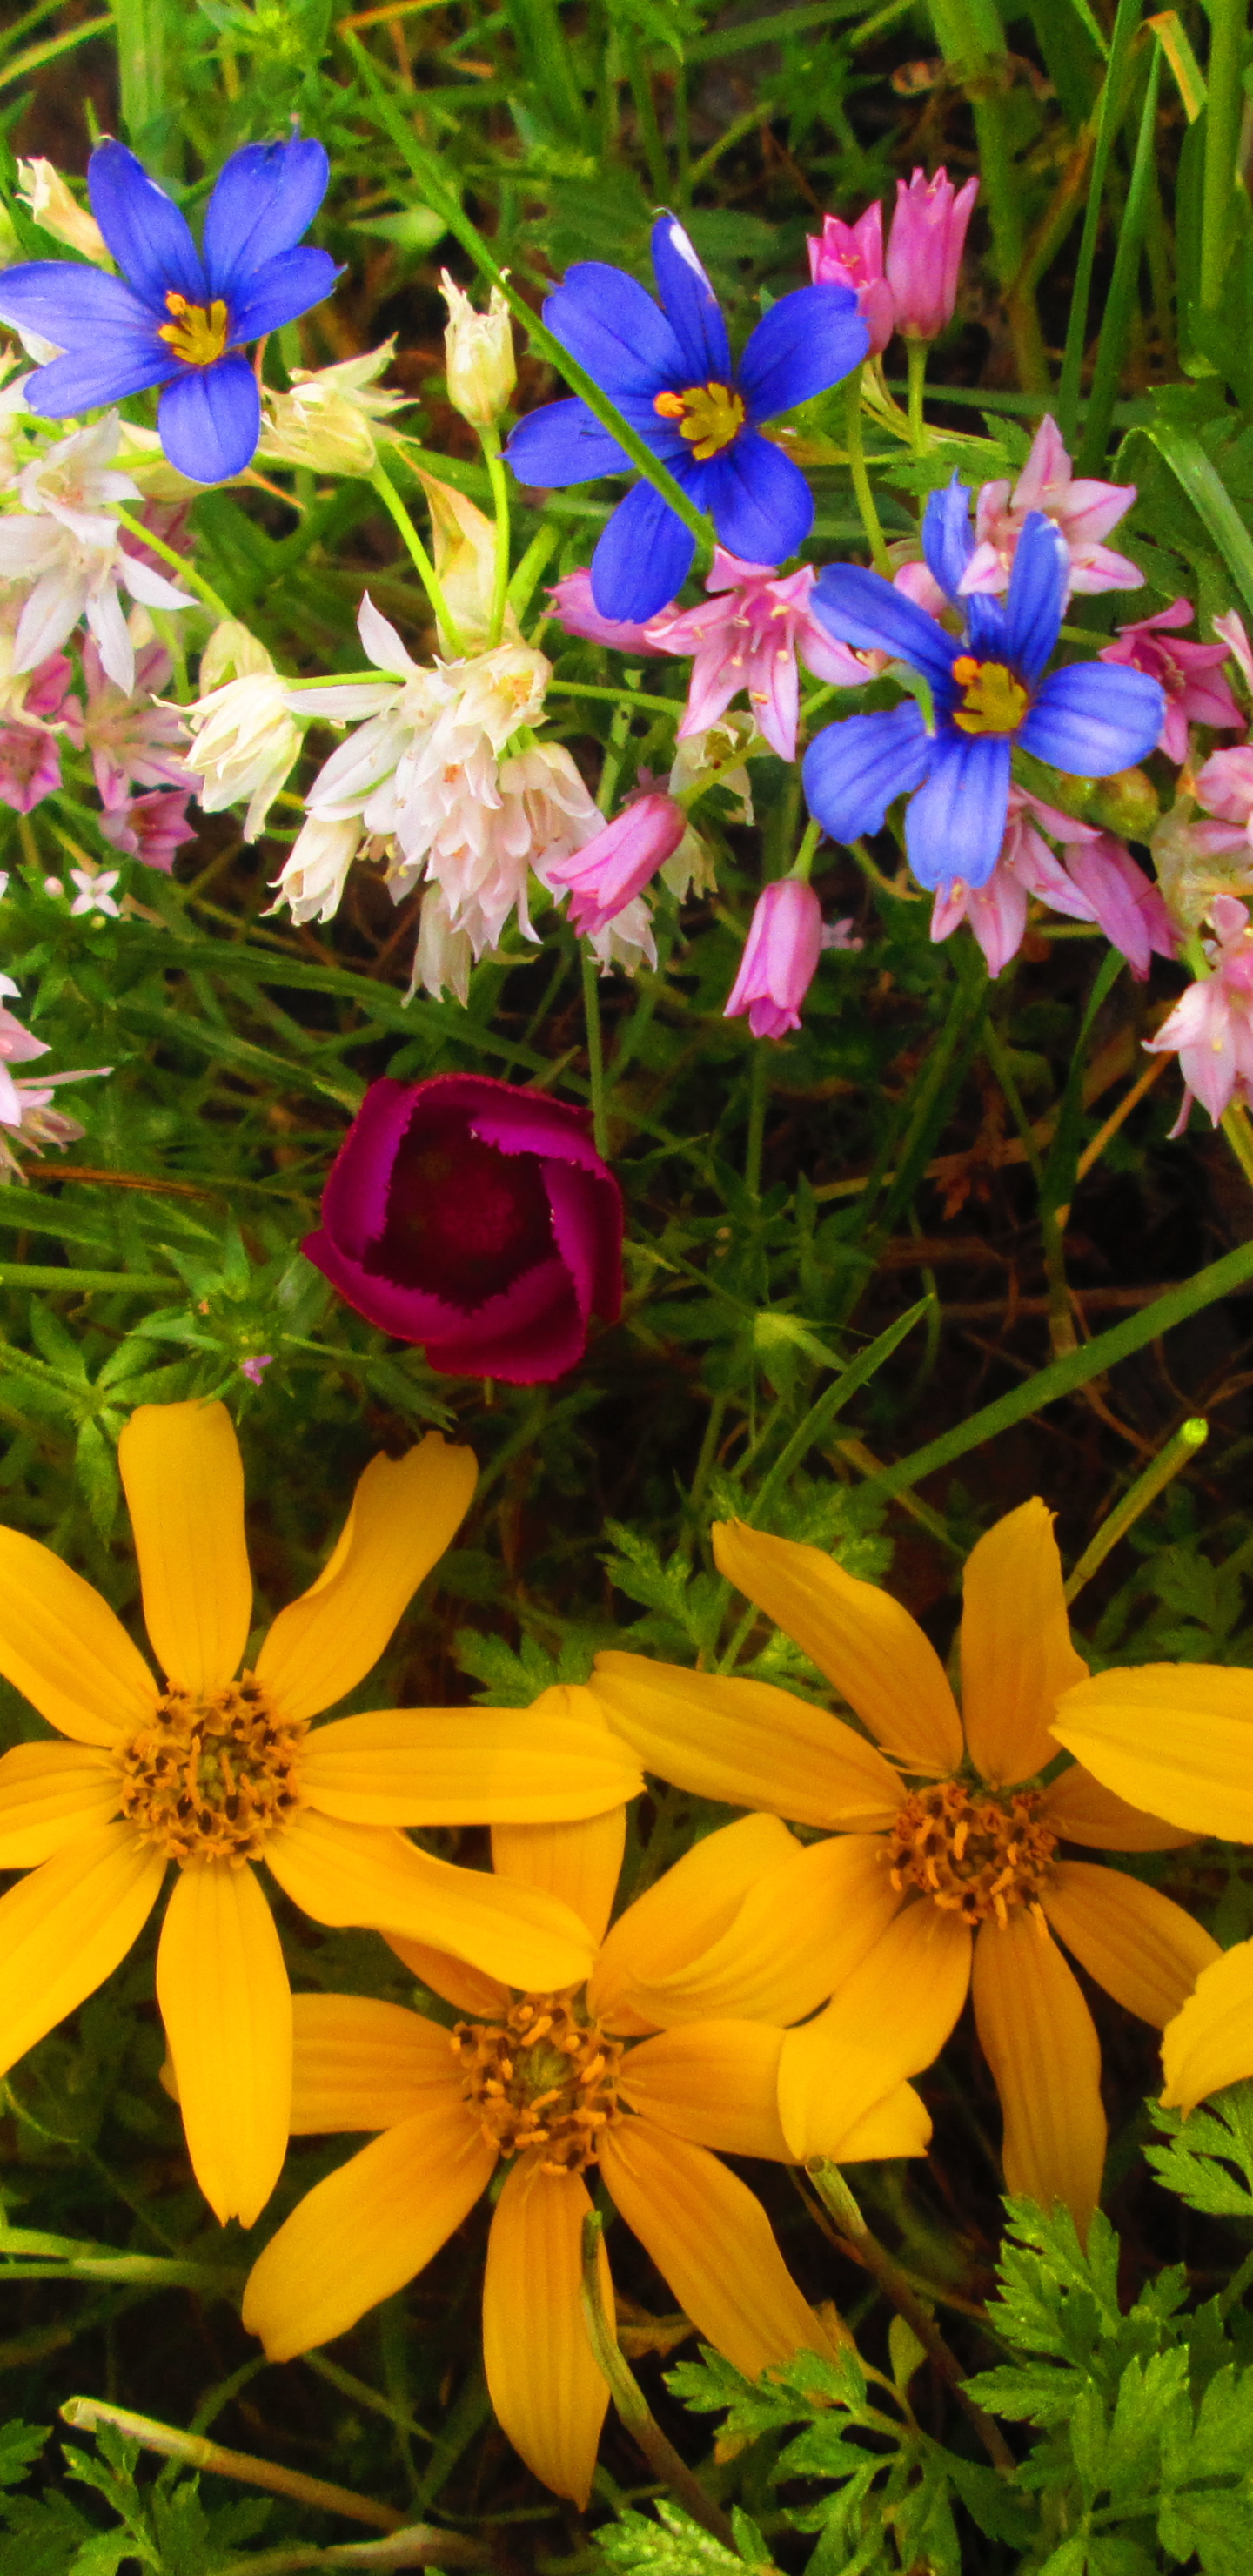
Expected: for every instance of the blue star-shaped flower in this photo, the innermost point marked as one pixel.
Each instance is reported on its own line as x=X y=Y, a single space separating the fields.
x=177 y=317
x=987 y=691
x=670 y=373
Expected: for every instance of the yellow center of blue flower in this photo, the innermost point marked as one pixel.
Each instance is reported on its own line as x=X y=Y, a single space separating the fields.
x=197 y=333
x=993 y=701
x=709 y=416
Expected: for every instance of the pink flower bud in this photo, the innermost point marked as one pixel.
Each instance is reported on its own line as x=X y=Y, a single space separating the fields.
x=924 y=251
x=852 y=255
x=610 y=870
x=576 y=610
x=781 y=953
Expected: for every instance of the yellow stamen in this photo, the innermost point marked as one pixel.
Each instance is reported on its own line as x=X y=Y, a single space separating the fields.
x=973 y=1852
x=709 y=416
x=554 y=2062
x=994 y=701
x=197 y=333
x=209 y=1779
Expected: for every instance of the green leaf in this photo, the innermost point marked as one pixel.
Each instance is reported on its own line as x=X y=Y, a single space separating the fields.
x=19 y=2444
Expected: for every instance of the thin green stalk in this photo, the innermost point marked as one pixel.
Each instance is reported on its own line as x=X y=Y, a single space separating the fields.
x=758 y=1095
x=186 y=571
x=1160 y=1472
x=595 y=1052
x=36 y=56
x=972 y=41
x=1223 y=113
x=917 y=353
x=1120 y=303
x=629 y=2400
x=862 y=490
x=87 y=2414
x=1235 y=1126
x=831 y=1404
x=645 y=109
x=88 y=1283
x=381 y=482
x=489 y=441
x=1113 y=104
x=803 y=863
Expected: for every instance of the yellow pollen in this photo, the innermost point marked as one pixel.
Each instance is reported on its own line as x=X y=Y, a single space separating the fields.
x=544 y=2079
x=979 y=1854
x=197 y=333
x=994 y=701
x=210 y=1779
x=709 y=416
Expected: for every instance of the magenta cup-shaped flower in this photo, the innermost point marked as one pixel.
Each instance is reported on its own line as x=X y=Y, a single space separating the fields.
x=477 y=1219
x=609 y=871
x=924 y=252
x=852 y=255
x=780 y=956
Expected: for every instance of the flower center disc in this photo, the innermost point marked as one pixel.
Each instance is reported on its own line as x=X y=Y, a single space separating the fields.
x=981 y=1857
x=197 y=333
x=543 y=2079
x=993 y=701
x=709 y=416
x=463 y=1220
x=209 y=1779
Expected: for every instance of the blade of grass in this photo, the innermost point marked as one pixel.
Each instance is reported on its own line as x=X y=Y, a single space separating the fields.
x=1121 y=301
x=1210 y=499
x=1223 y=113
x=1115 y=96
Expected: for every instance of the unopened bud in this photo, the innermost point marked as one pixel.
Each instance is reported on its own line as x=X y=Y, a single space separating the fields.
x=479 y=355
x=326 y=421
x=58 y=212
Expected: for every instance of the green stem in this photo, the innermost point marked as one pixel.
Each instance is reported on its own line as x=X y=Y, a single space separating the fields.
x=87 y=2414
x=758 y=1095
x=629 y=2400
x=1114 y=95
x=1161 y=1471
x=450 y=632
x=1122 y=297
x=132 y=1283
x=917 y=353
x=862 y=491
x=186 y=571
x=1223 y=112
x=803 y=863
x=1235 y=1126
x=646 y=110
x=489 y=440
x=595 y=1053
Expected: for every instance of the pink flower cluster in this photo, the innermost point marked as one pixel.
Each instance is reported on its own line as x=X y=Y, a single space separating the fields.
x=26 y=1110
x=913 y=287
x=1097 y=880
x=1211 y=1028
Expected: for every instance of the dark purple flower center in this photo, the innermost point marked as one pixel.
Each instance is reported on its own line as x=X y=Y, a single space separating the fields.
x=464 y=1221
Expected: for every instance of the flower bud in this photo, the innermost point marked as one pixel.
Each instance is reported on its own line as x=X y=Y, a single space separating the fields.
x=781 y=953
x=58 y=212
x=326 y=421
x=924 y=253
x=615 y=866
x=479 y=355
x=852 y=255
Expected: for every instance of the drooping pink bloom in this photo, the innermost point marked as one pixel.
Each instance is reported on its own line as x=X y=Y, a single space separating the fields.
x=747 y=636
x=1189 y=674
x=780 y=957
x=1232 y=629
x=1224 y=787
x=133 y=741
x=1211 y=1028
x=1085 y=511
x=30 y=766
x=1098 y=881
x=852 y=255
x=924 y=251
x=477 y=1219
x=617 y=864
x=150 y=828
x=576 y=610
x=253 y=1368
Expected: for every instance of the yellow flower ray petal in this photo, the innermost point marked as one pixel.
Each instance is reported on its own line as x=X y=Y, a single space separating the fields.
x=404 y=1513
x=715 y=2083
x=1174 y=1739
x=365 y=2230
x=888 y=2019
x=687 y=1911
x=869 y=1648
x=470 y=1989
x=581 y=1863
x=469 y=1766
x=1038 y=2037
x=65 y=1649
x=1016 y=1654
x=49 y=1794
x=369 y=1874
x=1081 y=1811
x=360 y=2063
x=1144 y=1950
x=64 y=1929
x=747 y=1744
x=712 y=2243
x=542 y=2376
x=226 y=2004
x=1210 y=2043
x=797 y=1934
x=900 y=2125
x=184 y=1483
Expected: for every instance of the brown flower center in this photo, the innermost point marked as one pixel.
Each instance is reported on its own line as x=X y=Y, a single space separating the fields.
x=208 y=1779
x=543 y=2078
x=977 y=1855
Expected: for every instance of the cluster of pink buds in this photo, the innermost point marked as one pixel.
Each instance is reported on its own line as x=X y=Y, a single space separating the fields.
x=913 y=287
x=1211 y=1028
x=1096 y=880
x=26 y=1111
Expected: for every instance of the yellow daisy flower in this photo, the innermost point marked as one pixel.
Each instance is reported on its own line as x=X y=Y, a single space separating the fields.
x=1182 y=1736
x=215 y=1769
x=556 y=2083
x=947 y=1878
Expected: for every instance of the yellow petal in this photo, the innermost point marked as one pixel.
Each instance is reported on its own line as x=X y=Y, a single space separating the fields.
x=364 y=2231
x=711 y=2241
x=688 y=1910
x=359 y=2063
x=460 y=1984
x=1175 y=1739
x=1210 y=2043
x=890 y=2017
x=49 y=1793
x=404 y=1513
x=1146 y=1952
x=226 y=2005
x=64 y=1929
x=1081 y=1811
x=1016 y=1654
x=715 y=2082
x=796 y=1935
x=898 y=2126
x=368 y=1874
x=1038 y=2038
x=871 y=1651
x=470 y=1766
x=64 y=1649
x=747 y=1743
x=548 y=2393
x=184 y=1483
x=580 y=1863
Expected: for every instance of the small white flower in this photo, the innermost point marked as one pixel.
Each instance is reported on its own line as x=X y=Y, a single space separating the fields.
x=316 y=871
x=326 y=422
x=63 y=542
x=95 y=890
x=54 y=207
x=54 y=886
x=246 y=743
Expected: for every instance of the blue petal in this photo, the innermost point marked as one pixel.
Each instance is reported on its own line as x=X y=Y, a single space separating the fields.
x=643 y=557
x=265 y=197
x=861 y=608
x=611 y=325
x=280 y=289
x=853 y=771
x=691 y=306
x=144 y=230
x=955 y=825
x=85 y=378
x=68 y=302
x=1093 y=718
x=564 y=443
x=805 y=342
x=210 y=420
x=1038 y=584
x=947 y=536
x=986 y=631
x=759 y=501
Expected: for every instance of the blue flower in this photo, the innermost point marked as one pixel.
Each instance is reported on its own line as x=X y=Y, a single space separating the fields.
x=177 y=318
x=987 y=691
x=671 y=376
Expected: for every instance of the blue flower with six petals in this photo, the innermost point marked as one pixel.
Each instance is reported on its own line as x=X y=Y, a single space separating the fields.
x=176 y=317
x=988 y=693
x=670 y=374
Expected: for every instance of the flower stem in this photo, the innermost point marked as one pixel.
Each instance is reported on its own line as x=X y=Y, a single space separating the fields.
x=862 y=492
x=917 y=353
x=186 y=571
x=87 y=2414
x=1159 y=1473
x=382 y=483
x=629 y=2401
x=803 y=864
x=1235 y=1126
x=1224 y=106
x=489 y=441
x=595 y=1053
